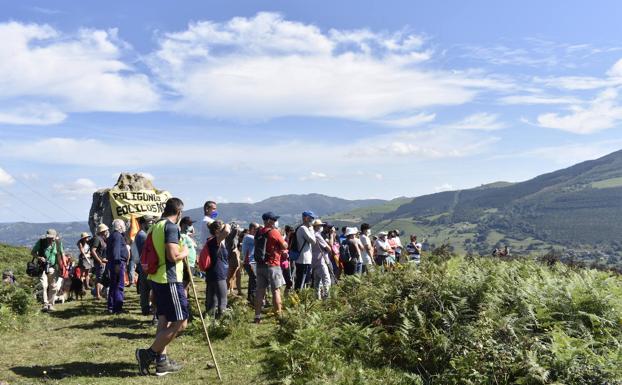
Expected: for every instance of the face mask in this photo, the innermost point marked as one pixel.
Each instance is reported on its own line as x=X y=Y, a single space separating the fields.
x=276 y=224
x=190 y=229
x=367 y=232
x=214 y=214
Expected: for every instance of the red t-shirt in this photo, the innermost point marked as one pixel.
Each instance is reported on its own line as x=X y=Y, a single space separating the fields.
x=274 y=247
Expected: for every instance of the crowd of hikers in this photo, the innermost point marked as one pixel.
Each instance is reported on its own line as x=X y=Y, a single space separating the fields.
x=167 y=255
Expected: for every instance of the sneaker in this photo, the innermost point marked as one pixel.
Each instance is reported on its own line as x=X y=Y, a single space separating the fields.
x=257 y=320
x=145 y=359
x=167 y=366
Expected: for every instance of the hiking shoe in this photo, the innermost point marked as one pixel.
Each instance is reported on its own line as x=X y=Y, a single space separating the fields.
x=145 y=359
x=167 y=366
x=257 y=320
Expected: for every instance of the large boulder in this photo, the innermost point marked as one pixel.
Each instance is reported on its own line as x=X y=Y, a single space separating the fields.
x=101 y=211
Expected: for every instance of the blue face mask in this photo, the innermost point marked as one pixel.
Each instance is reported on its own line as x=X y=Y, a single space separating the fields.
x=214 y=214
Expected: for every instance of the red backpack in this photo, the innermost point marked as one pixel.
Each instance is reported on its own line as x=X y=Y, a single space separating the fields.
x=149 y=260
x=205 y=259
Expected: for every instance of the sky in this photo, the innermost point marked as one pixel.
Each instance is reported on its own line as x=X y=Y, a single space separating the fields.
x=237 y=101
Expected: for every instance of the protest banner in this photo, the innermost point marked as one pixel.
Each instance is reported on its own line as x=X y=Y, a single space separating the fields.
x=125 y=204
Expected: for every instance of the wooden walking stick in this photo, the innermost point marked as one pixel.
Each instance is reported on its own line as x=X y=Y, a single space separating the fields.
x=196 y=298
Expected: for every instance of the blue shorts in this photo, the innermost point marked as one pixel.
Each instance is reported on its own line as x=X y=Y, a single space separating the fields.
x=171 y=301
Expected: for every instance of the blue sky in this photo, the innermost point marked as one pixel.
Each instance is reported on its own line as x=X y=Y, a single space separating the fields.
x=242 y=100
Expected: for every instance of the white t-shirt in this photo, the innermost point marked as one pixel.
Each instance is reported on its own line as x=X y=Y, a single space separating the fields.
x=207 y=221
x=306 y=237
x=382 y=246
x=366 y=244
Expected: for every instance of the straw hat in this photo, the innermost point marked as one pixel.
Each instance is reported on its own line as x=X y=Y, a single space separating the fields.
x=317 y=222
x=101 y=228
x=84 y=235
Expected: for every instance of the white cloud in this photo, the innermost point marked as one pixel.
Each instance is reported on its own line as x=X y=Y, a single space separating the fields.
x=409 y=121
x=33 y=114
x=437 y=143
x=81 y=186
x=5 y=178
x=30 y=176
x=577 y=83
x=568 y=154
x=274 y=178
x=537 y=99
x=147 y=175
x=482 y=121
x=314 y=175
x=378 y=176
x=72 y=72
x=265 y=67
x=444 y=187
x=599 y=114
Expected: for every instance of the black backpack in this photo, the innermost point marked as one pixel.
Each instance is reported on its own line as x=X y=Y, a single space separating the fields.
x=344 y=251
x=261 y=241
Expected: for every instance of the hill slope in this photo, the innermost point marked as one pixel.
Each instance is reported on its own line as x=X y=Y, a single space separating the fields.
x=579 y=207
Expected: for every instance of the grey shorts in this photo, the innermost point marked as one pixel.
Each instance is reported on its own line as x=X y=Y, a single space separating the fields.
x=269 y=276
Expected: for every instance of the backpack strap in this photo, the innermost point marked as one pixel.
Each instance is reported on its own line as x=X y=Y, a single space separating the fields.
x=304 y=241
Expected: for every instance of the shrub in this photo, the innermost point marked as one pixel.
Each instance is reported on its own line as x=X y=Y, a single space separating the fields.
x=458 y=321
x=17 y=299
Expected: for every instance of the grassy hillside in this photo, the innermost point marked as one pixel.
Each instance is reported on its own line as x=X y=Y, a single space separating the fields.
x=575 y=210
x=453 y=321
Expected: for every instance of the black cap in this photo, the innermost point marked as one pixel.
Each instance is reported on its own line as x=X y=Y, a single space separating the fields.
x=270 y=215
x=186 y=221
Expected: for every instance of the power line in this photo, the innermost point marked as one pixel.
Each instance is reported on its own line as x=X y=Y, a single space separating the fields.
x=44 y=197
x=27 y=204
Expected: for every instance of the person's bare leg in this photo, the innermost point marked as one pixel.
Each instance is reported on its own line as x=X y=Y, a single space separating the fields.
x=238 y=281
x=259 y=301
x=276 y=302
x=167 y=334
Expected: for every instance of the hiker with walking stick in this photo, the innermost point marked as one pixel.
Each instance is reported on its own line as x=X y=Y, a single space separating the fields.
x=167 y=285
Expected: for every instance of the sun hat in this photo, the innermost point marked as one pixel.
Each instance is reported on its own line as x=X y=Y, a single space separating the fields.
x=318 y=222
x=382 y=233
x=84 y=235
x=50 y=233
x=101 y=228
x=351 y=231
x=270 y=216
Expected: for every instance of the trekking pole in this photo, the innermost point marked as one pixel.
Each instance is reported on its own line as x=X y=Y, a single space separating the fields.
x=196 y=298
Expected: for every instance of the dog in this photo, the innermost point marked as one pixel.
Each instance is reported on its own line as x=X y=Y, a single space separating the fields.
x=76 y=288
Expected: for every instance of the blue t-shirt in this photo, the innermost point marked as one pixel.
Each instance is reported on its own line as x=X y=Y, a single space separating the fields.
x=248 y=246
x=140 y=240
x=116 y=250
x=220 y=262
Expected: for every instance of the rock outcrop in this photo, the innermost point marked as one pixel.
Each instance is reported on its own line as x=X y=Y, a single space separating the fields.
x=101 y=211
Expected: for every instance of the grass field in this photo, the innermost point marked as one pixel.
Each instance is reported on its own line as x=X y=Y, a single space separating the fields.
x=81 y=344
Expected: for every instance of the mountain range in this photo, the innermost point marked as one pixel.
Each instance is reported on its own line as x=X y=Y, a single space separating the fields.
x=289 y=207
x=577 y=208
